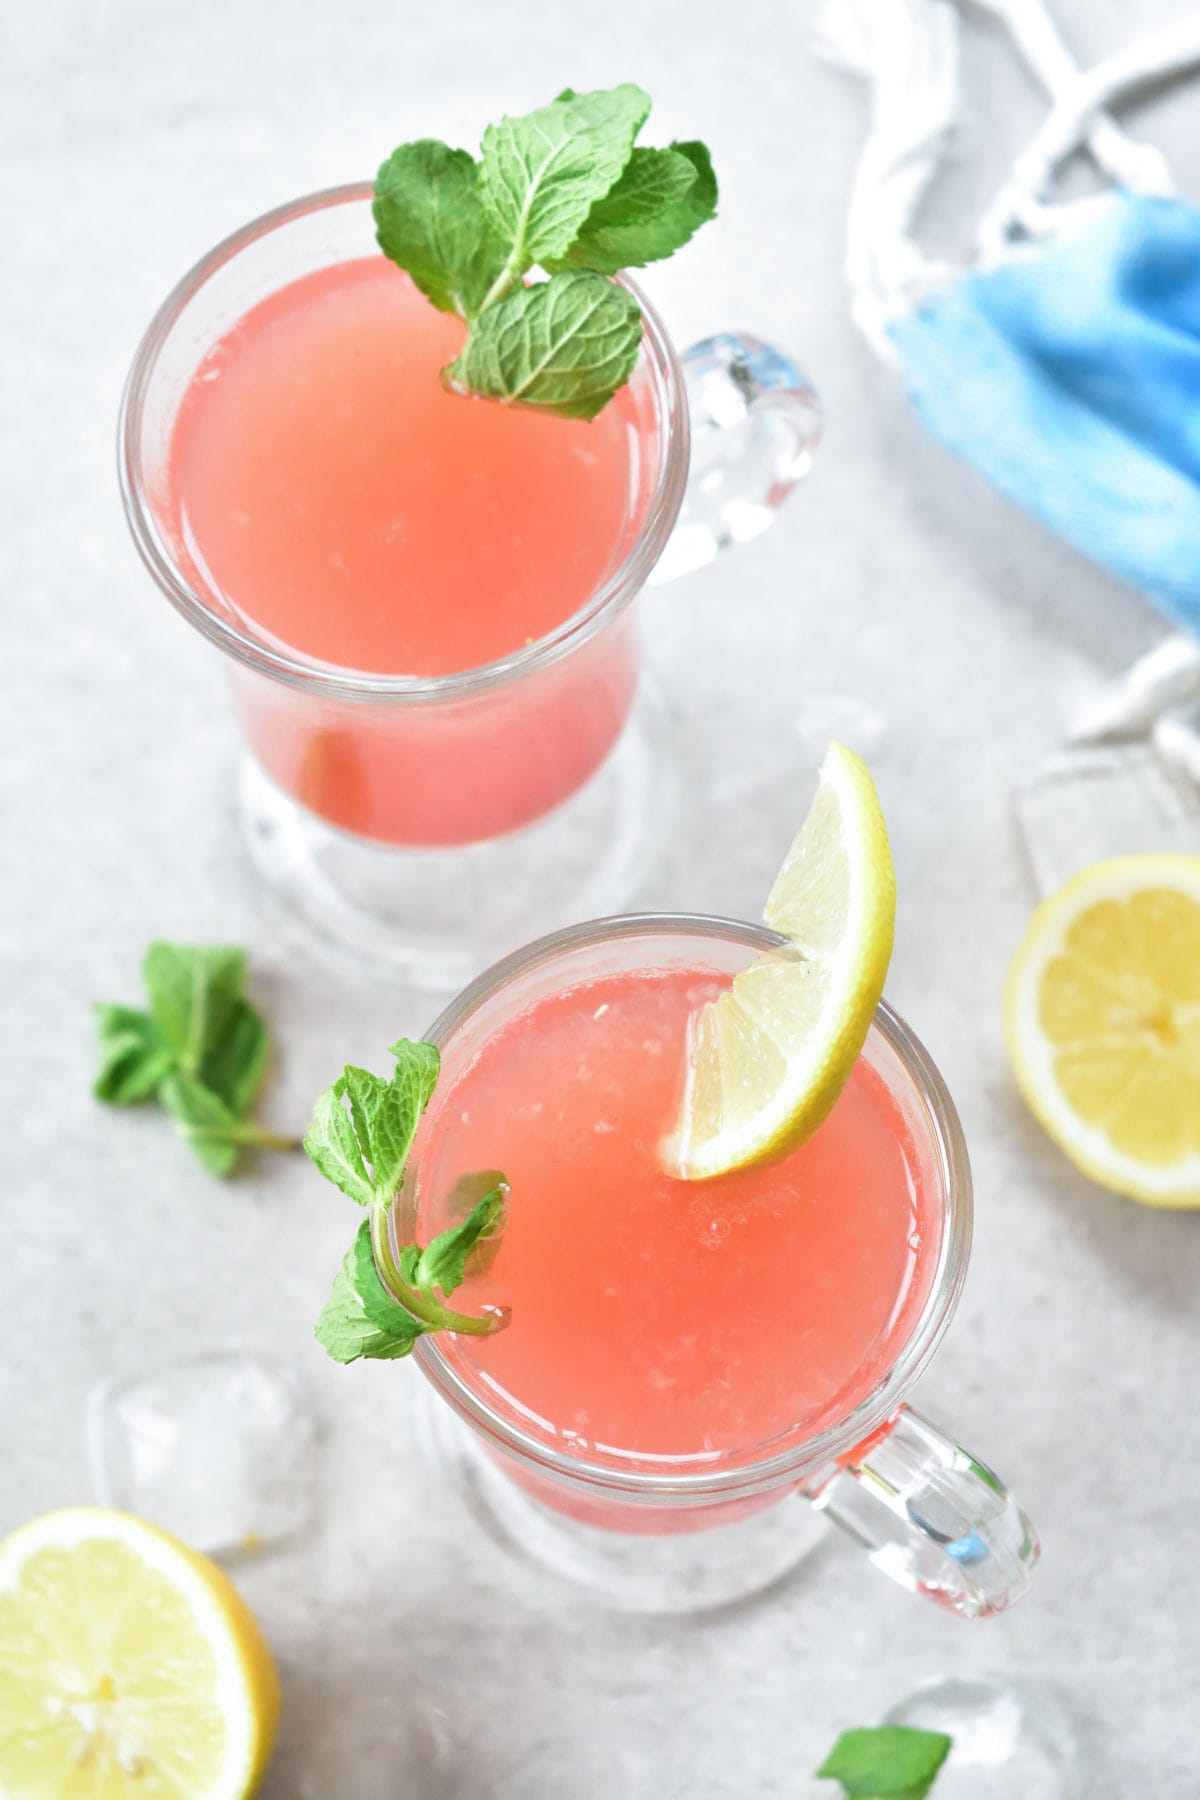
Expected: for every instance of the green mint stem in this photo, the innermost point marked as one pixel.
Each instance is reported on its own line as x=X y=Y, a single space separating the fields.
x=430 y=1312
x=504 y=283
x=245 y=1132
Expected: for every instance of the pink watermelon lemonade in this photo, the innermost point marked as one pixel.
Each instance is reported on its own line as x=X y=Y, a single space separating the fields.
x=657 y=1323
x=340 y=505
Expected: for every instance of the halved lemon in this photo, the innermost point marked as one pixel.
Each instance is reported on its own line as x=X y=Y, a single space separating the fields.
x=130 y=1667
x=1102 y=1013
x=769 y=1058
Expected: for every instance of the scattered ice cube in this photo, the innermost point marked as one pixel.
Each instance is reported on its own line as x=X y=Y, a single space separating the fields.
x=220 y=1450
x=1081 y=806
x=1010 y=1743
x=373 y=1746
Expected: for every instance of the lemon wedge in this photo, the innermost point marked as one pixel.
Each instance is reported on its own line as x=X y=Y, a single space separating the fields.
x=769 y=1058
x=130 y=1668
x=1102 y=1014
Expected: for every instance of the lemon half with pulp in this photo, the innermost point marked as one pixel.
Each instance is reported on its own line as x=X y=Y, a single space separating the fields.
x=130 y=1667
x=1102 y=1014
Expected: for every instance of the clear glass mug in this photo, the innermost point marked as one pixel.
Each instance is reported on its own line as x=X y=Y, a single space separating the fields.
x=658 y=1535
x=361 y=791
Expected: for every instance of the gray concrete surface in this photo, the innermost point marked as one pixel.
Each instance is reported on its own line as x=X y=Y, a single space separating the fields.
x=136 y=135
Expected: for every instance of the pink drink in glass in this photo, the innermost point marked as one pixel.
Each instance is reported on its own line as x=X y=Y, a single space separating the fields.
x=657 y=1322
x=348 y=508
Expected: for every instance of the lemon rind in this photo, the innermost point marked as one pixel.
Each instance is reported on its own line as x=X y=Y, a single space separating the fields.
x=857 y=970
x=220 y=1615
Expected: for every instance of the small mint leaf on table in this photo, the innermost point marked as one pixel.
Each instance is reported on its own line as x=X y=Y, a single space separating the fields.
x=886 y=1762
x=133 y=1056
x=541 y=173
x=564 y=346
x=213 y=1130
x=430 y=219
x=202 y=1050
x=235 y=1063
x=660 y=200
x=193 y=989
x=202 y=1119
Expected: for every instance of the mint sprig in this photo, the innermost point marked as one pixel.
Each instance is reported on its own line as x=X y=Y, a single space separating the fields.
x=201 y=1051
x=886 y=1762
x=383 y=1298
x=563 y=189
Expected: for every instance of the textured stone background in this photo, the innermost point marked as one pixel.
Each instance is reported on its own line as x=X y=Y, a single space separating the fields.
x=136 y=135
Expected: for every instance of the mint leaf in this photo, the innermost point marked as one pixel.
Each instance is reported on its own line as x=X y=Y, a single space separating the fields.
x=462 y=1200
x=202 y=1049
x=193 y=989
x=203 y=1120
x=413 y=1080
x=701 y=199
x=541 y=173
x=431 y=221
x=235 y=1064
x=331 y=1143
x=379 y=1128
x=360 y=1139
x=660 y=200
x=346 y=1328
x=564 y=346
x=886 y=1762
x=133 y=1056
x=564 y=188
x=443 y=1263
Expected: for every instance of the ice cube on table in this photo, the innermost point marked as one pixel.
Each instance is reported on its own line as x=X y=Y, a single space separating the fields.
x=373 y=1746
x=1010 y=1741
x=1082 y=806
x=221 y=1450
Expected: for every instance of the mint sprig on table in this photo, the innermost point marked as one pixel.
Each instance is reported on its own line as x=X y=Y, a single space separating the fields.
x=886 y=1762
x=360 y=1139
x=201 y=1051
x=562 y=189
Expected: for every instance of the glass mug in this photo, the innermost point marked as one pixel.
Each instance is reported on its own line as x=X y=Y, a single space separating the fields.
x=362 y=792
x=653 y=1534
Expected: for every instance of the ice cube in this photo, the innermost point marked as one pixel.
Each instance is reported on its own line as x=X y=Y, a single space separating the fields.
x=1010 y=1741
x=220 y=1449
x=372 y=1746
x=1082 y=806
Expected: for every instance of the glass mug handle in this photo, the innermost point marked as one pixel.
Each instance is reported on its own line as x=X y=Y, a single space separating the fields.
x=932 y=1517
x=755 y=422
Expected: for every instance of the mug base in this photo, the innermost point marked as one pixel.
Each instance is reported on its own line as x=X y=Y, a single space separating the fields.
x=687 y=1572
x=437 y=917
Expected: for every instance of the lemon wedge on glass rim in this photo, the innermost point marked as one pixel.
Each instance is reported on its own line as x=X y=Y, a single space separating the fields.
x=129 y=1666
x=768 y=1059
x=1102 y=1015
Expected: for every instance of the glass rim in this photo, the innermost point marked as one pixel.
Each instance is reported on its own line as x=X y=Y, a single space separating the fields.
x=328 y=679
x=656 y=1486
